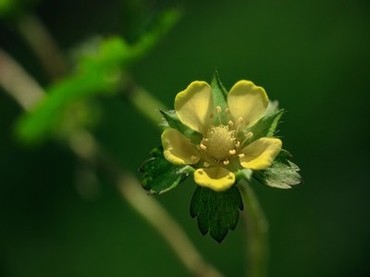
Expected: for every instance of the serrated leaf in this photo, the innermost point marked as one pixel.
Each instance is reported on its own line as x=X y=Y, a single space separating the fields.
x=282 y=174
x=160 y=175
x=216 y=212
x=266 y=126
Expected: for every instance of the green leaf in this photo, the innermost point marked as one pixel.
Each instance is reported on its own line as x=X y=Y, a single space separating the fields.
x=160 y=175
x=266 y=126
x=219 y=94
x=174 y=122
x=282 y=174
x=165 y=22
x=216 y=212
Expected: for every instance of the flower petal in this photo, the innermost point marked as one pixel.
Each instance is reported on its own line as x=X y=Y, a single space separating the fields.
x=247 y=101
x=194 y=106
x=216 y=178
x=261 y=153
x=178 y=149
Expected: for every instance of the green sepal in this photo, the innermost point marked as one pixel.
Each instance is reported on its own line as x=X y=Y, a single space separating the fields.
x=266 y=126
x=173 y=121
x=219 y=95
x=281 y=174
x=160 y=175
x=216 y=212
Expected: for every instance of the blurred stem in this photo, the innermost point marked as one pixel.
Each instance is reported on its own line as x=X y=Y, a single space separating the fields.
x=257 y=233
x=23 y=88
x=144 y=102
x=19 y=84
x=85 y=147
x=43 y=45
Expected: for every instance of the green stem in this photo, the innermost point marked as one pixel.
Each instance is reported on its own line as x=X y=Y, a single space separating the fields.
x=145 y=104
x=43 y=44
x=257 y=232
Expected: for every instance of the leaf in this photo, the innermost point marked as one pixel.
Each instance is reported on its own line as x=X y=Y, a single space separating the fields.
x=219 y=94
x=266 y=126
x=216 y=212
x=160 y=175
x=164 y=23
x=282 y=174
x=100 y=70
x=174 y=122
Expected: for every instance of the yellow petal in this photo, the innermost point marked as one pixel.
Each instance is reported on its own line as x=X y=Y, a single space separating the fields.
x=217 y=178
x=178 y=149
x=260 y=154
x=194 y=106
x=247 y=101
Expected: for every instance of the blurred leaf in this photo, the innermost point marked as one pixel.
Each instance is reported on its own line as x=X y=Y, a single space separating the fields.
x=99 y=71
x=282 y=173
x=165 y=22
x=160 y=175
x=6 y=6
x=11 y=8
x=216 y=212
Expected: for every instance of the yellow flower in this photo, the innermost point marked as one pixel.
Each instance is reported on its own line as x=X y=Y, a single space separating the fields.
x=226 y=144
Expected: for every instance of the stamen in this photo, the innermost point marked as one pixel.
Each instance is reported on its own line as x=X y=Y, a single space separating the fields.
x=231 y=123
x=241 y=155
x=194 y=158
x=206 y=164
x=219 y=110
x=226 y=162
x=240 y=122
x=247 y=136
x=237 y=144
x=232 y=152
x=202 y=146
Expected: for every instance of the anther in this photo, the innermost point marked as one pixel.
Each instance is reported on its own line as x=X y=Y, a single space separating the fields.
x=218 y=109
x=232 y=152
x=248 y=135
x=231 y=123
x=194 y=158
x=206 y=164
x=237 y=144
x=226 y=162
x=202 y=146
x=241 y=155
x=227 y=110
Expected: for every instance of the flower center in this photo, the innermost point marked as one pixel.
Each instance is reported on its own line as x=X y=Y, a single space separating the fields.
x=219 y=142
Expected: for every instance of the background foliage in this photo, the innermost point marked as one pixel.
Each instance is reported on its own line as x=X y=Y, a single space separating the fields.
x=310 y=55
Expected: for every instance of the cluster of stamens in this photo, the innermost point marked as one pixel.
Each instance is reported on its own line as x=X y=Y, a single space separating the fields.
x=220 y=143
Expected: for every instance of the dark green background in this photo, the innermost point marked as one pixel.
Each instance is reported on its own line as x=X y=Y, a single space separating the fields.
x=313 y=56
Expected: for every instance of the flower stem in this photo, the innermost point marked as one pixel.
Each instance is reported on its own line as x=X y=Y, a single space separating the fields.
x=257 y=233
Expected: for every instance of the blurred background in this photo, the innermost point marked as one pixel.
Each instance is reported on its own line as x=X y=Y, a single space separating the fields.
x=313 y=56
